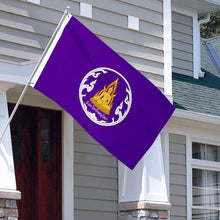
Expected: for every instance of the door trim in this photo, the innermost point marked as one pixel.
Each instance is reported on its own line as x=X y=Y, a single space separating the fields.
x=67 y=166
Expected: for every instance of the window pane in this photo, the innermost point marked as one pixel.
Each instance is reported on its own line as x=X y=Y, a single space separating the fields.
x=206 y=190
x=198 y=151
x=17 y=149
x=45 y=128
x=199 y=214
x=16 y=127
x=46 y=151
x=206 y=152
x=213 y=153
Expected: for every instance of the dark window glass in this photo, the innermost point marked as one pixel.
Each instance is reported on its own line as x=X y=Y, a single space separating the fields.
x=46 y=151
x=16 y=138
x=45 y=128
x=16 y=147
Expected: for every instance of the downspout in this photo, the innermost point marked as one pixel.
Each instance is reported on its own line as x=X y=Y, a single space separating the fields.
x=205 y=20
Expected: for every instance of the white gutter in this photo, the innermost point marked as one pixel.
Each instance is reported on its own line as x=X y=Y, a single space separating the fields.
x=200 y=22
x=216 y=2
x=205 y=20
x=195 y=116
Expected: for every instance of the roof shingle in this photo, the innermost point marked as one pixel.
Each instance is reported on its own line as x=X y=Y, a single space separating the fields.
x=199 y=95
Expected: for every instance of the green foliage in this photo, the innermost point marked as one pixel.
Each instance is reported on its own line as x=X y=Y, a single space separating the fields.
x=212 y=28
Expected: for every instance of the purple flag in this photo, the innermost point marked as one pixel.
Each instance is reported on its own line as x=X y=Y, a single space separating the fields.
x=109 y=98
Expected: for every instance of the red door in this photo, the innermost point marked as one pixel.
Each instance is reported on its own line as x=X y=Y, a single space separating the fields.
x=36 y=142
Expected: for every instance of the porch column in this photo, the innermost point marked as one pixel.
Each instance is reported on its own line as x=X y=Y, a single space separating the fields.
x=143 y=191
x=8 y=192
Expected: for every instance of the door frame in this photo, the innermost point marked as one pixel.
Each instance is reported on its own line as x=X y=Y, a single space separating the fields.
x=34 y=99
x=67 y=166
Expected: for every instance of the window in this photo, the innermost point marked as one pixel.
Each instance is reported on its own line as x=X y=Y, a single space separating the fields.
x=205 y=181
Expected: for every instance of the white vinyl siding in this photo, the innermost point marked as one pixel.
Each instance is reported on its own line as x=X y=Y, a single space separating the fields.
x=182 y=33
x=177 y=157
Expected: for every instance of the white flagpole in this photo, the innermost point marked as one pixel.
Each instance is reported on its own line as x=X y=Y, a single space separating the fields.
x=66 y=13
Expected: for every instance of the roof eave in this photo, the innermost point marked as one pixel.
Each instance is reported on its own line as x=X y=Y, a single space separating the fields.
x=202 y=6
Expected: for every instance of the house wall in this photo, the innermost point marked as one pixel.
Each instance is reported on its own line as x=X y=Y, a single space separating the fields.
x=25 y=31
x=182 y=33
x=177 y=155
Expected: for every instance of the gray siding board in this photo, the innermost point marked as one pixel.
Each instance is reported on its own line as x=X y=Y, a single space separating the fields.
x=145 y=65
x=178 y=200
x=182 y=71
x=18 y=54
x=182 y=19
x=18 y=47
x=134 y=50
x=95 y=182
x=26 y=24
x=177 y=169
x=117 y=32
x=97 y=194
x=84 y=137
x=91 y=159
x=96 y=205
x=181 y=28
x=177 y=158
x=183 y=63
x=178 y=179
x=178 y=211
x=98 y=171
x=186 y=38
x=27 y=39
x=90 y=148
x=179 y=218
x=32 y=11
x=177 y=155
x=178 y=190
x=184 y=55
x=179 y=45
x=177 y=139
x=177 y=148
x=90 y=215
x=182 y=32
x=11 y=59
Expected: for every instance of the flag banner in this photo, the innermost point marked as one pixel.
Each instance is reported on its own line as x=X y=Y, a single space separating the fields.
x=110 y=99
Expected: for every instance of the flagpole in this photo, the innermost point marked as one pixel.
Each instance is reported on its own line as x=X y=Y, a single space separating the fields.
x=66 y=13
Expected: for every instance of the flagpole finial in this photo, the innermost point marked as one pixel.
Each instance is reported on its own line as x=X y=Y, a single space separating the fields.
x=68 y=10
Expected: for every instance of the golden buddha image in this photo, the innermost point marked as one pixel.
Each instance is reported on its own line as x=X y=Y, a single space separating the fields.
x=103 y=100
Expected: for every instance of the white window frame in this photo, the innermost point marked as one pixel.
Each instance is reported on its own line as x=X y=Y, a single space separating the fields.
x=196 y=36
x=198 y=164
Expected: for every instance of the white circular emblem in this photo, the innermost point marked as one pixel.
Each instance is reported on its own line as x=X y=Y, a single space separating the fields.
x=105 y=96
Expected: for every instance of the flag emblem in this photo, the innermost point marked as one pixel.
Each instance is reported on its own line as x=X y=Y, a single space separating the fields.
x=105 y=96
